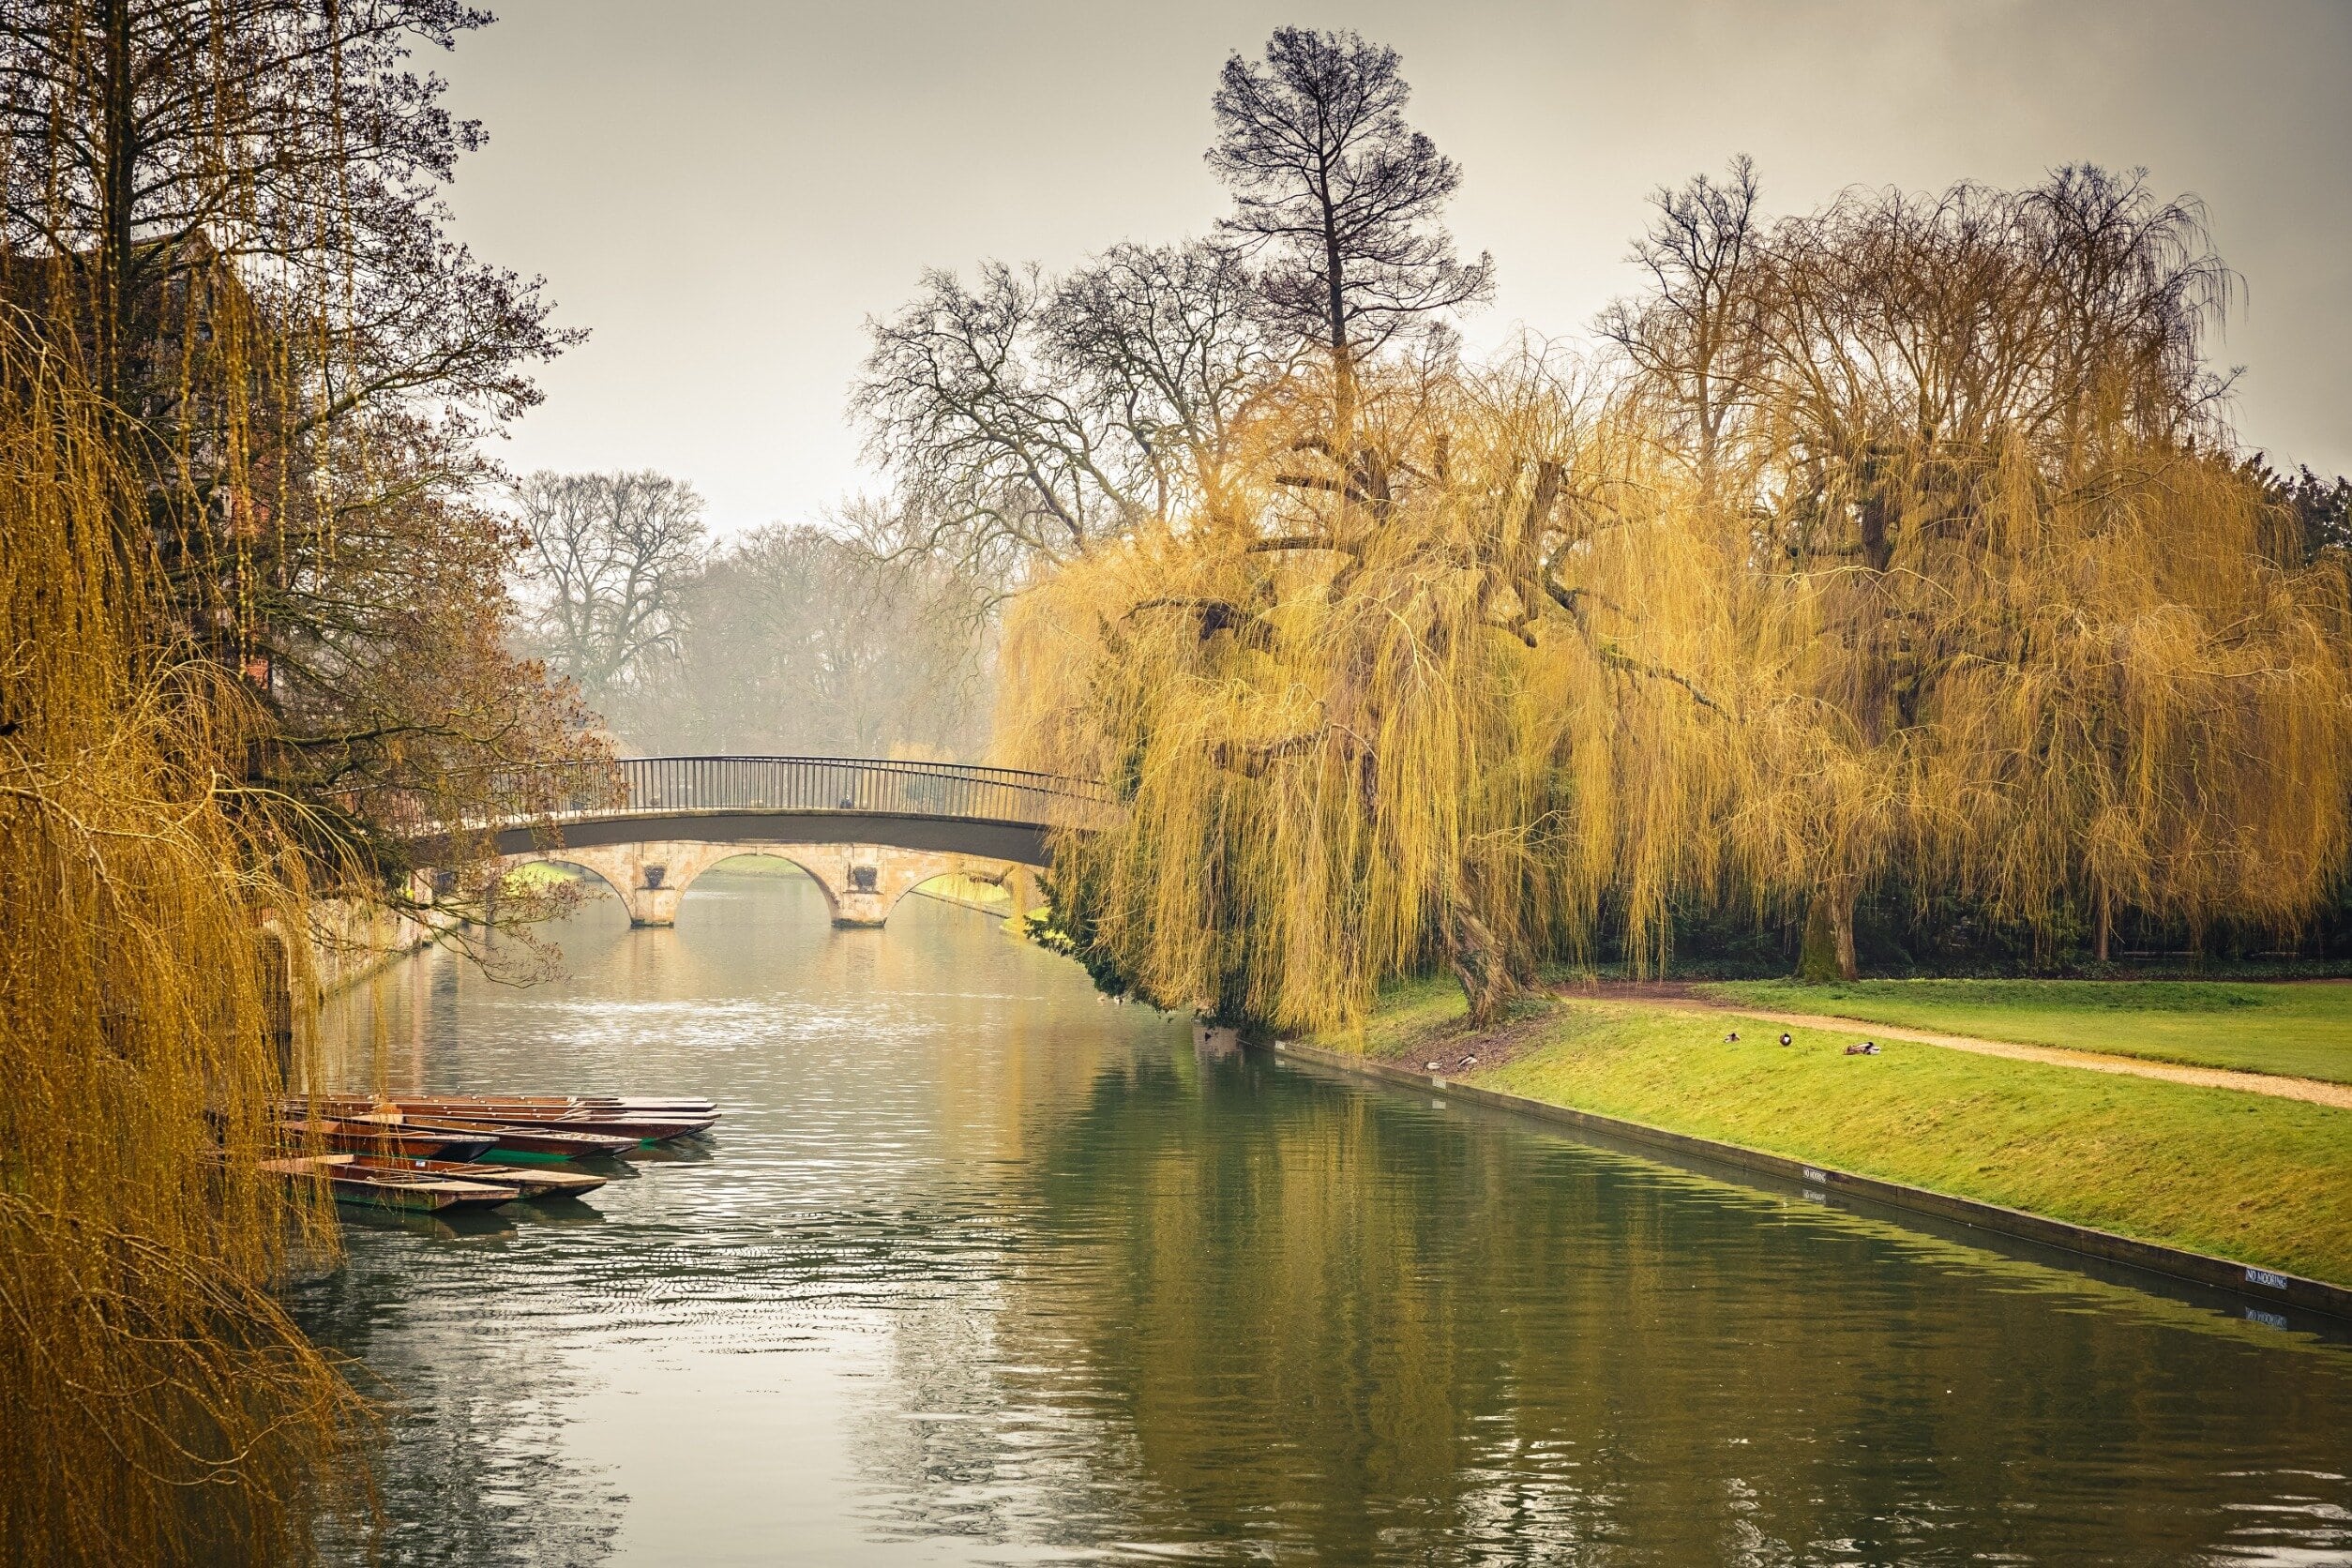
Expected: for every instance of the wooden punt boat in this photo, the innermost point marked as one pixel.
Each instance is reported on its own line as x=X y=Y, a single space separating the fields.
x=416 y=1191
x=659 y=1106
x=689 y=1104
x=484 y=1108
x=644 y=1125
x=387 y=1189
x=530 y=1183
x=535 y=1145
x=642 y=1129
x=384 y=1138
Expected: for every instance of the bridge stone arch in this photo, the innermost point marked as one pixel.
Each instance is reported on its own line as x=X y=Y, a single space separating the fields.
x=862 y=883
x=652 y=875
x=586 y=864
x=792 y=856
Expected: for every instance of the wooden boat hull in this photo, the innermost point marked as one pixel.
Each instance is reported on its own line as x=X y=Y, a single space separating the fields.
x=368 y=1138
x=636 y=1128
x=691 y=1108
x=395 y=1185
x=529 y=1184
x=693 y=1105
x=423 y=1194
x=646 y=1122
x=535 y=1145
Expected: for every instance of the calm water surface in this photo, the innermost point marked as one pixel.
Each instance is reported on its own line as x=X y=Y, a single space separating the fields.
x=981 y=1270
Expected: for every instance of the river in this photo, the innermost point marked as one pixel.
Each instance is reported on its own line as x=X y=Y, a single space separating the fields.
x=982 y=1269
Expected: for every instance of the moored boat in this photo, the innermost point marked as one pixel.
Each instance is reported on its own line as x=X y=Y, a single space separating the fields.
x=644 y=1121
x=640 y=1129
x=354 y=1182
x=529 y=1184
x=512 y=1145
x=689 y=1104
x=653 y=1104
x=375 y=1136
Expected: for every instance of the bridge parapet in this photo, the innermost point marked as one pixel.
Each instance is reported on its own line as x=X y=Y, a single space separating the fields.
x=657 y=784
x=1030 y=803
x=665 y=786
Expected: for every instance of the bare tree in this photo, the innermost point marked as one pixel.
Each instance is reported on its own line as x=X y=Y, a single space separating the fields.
x=1164 y=344
x=149 y=141
x=609 y=556
x=959 y=407
x=1028 y=418
x=1692 y=340
x=1343 y=195
x=803 y=640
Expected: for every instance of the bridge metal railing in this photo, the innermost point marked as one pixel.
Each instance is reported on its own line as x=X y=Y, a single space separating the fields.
x=659 y=786
x=853 y=784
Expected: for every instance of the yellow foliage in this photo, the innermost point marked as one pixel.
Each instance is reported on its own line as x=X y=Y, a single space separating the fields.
x=1518 y=678
x=162 y=1407
x=1380 y=730
x=2115 y=687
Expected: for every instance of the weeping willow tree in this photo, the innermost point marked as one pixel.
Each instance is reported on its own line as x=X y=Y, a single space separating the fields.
x=2023 y=628
x=1377 y=705
x=163 y=1407
x=2095 y=697
x=254 y=636
x=1410 y=717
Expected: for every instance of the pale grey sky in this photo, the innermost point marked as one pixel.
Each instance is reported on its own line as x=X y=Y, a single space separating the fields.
x=723 y=191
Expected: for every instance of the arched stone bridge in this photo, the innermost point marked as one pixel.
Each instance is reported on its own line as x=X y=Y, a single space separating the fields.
x=868 y=831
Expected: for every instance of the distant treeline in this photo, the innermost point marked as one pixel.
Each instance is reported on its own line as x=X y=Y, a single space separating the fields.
x=793 y=640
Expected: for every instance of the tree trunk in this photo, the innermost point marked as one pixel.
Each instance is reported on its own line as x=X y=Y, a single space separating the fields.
x=1343 y=370
x=2106 y=921
x=1487 y=983
x=117 y=195
x=277 y=1014
x=1842 y=923
x=1827 y=953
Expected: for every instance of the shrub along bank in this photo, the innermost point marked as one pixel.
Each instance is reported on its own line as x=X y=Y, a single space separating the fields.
x=2248 y=1177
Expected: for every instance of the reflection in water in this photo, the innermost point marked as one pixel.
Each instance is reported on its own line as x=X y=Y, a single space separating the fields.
x=979 y=1269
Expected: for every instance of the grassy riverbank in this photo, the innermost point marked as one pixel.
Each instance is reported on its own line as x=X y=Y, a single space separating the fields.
x=2261 y=1180
x=2302 y=1030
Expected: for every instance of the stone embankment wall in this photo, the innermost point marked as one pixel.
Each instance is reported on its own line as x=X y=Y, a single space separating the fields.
x=350 y=942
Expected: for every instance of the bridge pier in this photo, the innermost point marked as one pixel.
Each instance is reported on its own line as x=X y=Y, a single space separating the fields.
x=866 y=880
x=651 y=878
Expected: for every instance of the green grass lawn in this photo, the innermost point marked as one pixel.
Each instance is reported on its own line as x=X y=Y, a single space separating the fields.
x=538 y=873
x=2261 y=1180
x=2301 y=1030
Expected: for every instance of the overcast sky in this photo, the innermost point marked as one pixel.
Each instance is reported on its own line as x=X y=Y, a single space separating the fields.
x=723 y=191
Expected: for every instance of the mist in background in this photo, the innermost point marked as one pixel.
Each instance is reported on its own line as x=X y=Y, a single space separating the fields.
x=789 y=640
